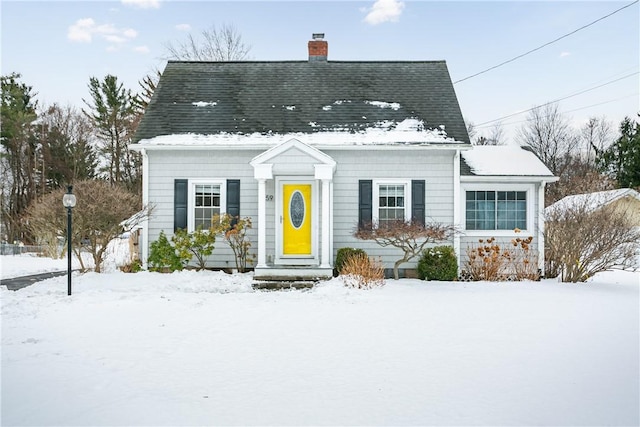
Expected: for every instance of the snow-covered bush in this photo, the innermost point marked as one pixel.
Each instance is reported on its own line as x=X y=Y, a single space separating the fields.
x=438 y=263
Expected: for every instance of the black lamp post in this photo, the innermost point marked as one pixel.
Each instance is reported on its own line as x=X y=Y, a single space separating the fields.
x=69 y=201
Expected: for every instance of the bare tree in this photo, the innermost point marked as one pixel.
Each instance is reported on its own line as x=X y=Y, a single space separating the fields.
x=222 y=43
x=579 y=175
x=471 y=129
x=102 y=213
x=411 y=237
x=549 y=135
x=68 y=152
x=494 y=137
x=582 y=238
x=596 y=136
x=148 y=86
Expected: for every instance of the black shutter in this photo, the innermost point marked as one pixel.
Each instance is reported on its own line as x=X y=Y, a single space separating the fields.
x=233 y=200
x=180 y=199
x=365 y=204
x=418 y=200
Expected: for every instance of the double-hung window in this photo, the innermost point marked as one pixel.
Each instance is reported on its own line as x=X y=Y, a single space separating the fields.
x=206 y=199
x=496 y=210
x=391 y=201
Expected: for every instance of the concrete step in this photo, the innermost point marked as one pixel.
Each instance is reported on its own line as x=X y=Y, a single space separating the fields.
x=283 y=284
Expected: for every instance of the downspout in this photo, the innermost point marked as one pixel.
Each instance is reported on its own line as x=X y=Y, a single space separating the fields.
x=456 y=204
x=145 y=205
x=541 y=227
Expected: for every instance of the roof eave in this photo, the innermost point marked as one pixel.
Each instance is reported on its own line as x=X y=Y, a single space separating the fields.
x=508 y=178
x=373 y=147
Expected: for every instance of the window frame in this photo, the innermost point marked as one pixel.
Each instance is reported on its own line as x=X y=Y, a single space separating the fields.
x=376 y=197
x=529 y=194
x=192 y=196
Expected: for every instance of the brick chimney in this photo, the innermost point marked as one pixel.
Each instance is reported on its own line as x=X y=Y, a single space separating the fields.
x=318 y=48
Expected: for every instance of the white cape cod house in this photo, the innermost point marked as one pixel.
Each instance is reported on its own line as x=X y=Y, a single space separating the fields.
x=311 y=150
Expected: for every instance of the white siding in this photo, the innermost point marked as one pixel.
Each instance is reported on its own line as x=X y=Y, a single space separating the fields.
x=166 y=166
x=435 y=167
x=503 y=237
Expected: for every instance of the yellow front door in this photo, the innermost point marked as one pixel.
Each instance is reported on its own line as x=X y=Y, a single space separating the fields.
x=296 y=219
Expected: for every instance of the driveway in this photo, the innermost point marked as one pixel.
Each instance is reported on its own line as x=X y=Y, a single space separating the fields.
x=16 y=283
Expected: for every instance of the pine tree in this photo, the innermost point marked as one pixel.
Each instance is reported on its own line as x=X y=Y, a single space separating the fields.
x=18 y=155
x=621 y=161
x=113 y=112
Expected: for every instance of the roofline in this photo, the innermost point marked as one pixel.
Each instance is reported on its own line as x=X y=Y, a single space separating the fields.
x=301 y=61
x=508 y=178
x=322 y=147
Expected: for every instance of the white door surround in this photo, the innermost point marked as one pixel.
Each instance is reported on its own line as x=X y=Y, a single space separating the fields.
x=296 y=161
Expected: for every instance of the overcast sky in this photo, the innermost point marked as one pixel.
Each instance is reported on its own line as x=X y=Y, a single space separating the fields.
x=57 y=46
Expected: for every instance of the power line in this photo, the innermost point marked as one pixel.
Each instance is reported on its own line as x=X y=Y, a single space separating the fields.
x=546 y=44
x=564 y=112
x=559 y=99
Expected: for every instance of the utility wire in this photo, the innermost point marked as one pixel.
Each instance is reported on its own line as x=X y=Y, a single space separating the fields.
x=564 y=112
x=559 y=99
x=546 y=44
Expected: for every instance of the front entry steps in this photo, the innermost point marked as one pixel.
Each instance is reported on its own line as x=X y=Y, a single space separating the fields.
x=276 y=285
x=292 y=277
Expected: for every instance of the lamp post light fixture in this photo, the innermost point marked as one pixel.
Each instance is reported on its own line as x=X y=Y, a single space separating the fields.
x=69 y=201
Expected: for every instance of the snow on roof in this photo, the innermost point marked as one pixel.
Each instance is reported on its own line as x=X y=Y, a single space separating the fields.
x=408 y=131
x=205 y=104
x=383 y=104
x=592 y=201
x=504 y=160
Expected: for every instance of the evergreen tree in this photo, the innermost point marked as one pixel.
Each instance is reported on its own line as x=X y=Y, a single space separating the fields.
x=19 y=182
x=621 y=161
x=114 y=114
x=68 y=154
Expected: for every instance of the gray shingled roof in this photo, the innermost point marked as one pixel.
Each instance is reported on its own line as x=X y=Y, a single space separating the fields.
x=299 y=96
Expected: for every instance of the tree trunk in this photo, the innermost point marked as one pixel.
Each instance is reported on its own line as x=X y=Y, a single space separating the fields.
x=396 y=274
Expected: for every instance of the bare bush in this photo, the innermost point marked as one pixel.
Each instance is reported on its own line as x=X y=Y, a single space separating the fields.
x=102 y=213
x=489 y=260
x=485 y=261
x=411 y=237
x=583 y=238
x=361 y=272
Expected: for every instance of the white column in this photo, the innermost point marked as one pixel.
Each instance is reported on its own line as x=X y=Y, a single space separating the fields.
x=457 y=221
x=325 y=260
x=143 y=242
x=262 y=219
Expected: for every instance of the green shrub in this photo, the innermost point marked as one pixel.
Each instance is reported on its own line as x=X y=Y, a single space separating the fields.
x=162 y=256
x=438 y=263
x=199 y=243
x=345 y=253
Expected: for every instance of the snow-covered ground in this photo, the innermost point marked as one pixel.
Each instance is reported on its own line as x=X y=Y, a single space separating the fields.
x=205 y=349
x=117 y=254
